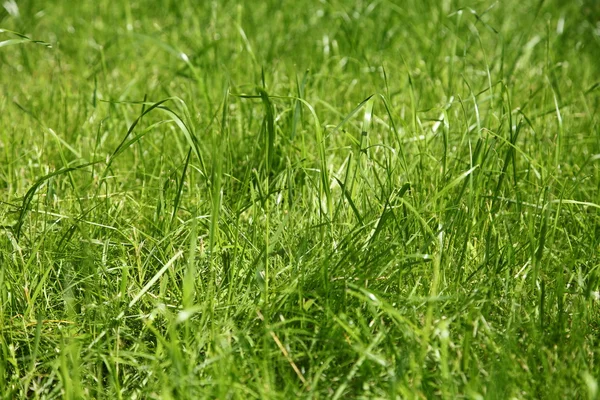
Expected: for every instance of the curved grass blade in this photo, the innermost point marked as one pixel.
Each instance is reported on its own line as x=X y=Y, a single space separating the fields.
x=31 y=192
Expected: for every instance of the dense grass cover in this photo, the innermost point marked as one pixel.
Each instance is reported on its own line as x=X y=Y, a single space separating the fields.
x=299 y=199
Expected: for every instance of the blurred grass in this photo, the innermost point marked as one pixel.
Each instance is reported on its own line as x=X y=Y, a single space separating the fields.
x=202 y=199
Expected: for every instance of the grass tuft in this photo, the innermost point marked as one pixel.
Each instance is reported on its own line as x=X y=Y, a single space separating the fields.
x=340 y=199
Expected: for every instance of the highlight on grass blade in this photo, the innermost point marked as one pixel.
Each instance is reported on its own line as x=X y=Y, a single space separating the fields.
x=20 y=39
x=156 y=277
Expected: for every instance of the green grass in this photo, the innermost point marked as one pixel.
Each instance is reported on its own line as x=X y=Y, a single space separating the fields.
x=300 y=199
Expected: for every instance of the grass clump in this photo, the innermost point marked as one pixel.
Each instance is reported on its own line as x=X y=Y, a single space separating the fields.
x=310 y=199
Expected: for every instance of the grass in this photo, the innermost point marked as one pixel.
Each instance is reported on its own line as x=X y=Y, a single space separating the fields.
x=308 y=199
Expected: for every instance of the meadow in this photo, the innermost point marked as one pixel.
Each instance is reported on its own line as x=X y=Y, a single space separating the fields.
x=300 y=199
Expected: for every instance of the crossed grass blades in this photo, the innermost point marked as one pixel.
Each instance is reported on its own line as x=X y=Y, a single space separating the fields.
x=309 y=199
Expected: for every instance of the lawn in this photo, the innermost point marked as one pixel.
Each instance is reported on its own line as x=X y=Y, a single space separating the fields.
x=300 y=199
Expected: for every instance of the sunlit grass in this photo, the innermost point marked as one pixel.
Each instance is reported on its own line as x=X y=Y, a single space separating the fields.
x=307 y=199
